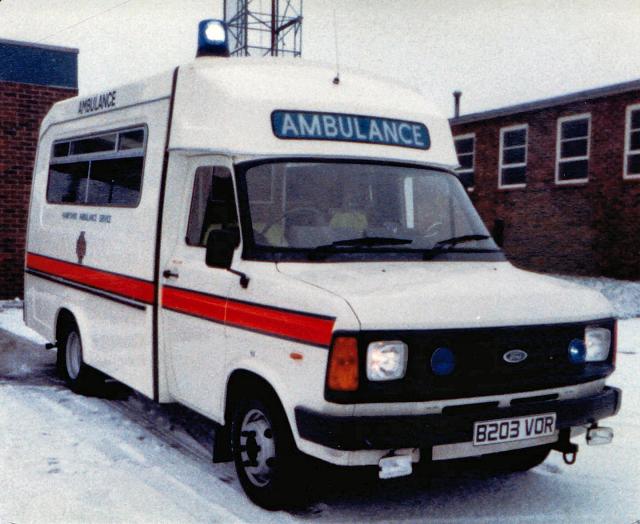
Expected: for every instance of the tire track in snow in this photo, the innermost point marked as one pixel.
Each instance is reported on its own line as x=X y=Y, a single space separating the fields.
x=190 y=460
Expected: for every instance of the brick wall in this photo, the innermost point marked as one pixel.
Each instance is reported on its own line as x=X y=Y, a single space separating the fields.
x=586 y=229
x=22 y=108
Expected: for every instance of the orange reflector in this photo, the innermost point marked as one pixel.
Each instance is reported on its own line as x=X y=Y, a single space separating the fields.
x=295 y=356
x=343 y=366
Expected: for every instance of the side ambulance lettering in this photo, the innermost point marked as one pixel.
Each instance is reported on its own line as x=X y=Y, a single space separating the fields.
x=97 y=102
x=303 y=125
x=86 y=217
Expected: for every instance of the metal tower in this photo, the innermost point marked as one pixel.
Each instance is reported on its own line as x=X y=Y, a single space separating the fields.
x=264 y=27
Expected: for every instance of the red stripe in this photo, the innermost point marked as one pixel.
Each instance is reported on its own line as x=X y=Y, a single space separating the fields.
x=281 y=323
x=121 y=285
x=297 y=326
x=193 y=303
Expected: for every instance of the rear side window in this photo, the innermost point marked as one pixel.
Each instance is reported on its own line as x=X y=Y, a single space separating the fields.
x=99 y=170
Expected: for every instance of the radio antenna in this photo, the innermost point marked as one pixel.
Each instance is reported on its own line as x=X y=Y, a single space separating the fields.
x=336 y=80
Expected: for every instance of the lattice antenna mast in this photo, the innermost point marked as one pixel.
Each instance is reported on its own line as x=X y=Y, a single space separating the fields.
x=264 y=27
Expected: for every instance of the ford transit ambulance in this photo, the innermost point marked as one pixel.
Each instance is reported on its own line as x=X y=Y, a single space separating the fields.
x=290 y=254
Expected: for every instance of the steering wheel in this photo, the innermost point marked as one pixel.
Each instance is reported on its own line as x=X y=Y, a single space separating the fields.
x=261 y=236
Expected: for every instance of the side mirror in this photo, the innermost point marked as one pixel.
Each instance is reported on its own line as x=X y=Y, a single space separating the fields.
x=221 y=243
x=498 y=231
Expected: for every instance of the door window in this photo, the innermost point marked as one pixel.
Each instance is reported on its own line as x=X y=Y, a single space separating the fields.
x=213 y=205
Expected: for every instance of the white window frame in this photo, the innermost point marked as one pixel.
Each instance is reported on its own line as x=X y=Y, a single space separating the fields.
x=627 y=142
x=473 y=158
x=504 y=130
x=562 y=120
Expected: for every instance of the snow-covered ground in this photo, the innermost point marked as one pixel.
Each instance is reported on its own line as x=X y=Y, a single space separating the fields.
x=11 y=321
x=623 y=295
x=69 y=458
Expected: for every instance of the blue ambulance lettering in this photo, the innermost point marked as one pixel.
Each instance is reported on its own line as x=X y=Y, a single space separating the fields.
x=303 y=125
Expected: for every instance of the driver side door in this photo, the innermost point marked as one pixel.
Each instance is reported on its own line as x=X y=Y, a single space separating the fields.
x=194 y=295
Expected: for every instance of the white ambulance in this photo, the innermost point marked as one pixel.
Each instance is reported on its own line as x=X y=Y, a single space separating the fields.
x=291 y=255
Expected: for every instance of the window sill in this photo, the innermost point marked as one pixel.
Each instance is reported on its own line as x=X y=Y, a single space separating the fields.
x=580 y=182
x=512 y=186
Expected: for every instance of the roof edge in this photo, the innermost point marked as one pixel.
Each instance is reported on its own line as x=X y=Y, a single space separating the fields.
x=544 y=103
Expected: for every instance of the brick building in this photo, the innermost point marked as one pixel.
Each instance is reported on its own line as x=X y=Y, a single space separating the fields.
x=32 y=78
x=562 y=175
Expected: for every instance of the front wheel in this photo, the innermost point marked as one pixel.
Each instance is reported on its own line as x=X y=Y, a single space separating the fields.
x=266 y=458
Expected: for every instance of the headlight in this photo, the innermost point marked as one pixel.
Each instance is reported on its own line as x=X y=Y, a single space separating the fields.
x=598 y=342
x=386 y=360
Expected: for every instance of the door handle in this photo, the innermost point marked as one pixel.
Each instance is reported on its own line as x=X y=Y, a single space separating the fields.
x=167 y=273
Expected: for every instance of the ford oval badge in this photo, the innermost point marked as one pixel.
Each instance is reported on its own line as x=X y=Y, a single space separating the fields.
x=514 y=356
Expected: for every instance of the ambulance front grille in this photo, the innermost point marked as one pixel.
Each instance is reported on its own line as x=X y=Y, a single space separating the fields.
x=480 y=366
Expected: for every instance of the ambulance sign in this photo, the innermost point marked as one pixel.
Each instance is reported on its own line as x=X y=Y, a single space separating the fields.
x=306 y=125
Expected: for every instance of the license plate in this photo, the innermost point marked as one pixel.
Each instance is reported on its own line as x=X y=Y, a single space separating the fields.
x=511 y=429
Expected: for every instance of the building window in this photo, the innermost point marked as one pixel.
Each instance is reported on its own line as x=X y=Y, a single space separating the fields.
x=632 y=143
x=100 y=170
x=465 y=148
x=572 y=151
x=513 y=156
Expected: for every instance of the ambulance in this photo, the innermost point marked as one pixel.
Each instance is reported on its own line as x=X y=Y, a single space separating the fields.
x=289 y=253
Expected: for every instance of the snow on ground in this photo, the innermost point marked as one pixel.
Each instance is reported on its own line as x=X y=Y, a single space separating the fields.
x=11 y=320
x=70 y=458
x=623 y=295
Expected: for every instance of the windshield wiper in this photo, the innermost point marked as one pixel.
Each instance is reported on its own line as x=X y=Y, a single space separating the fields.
x=459 y=240
x=447 y=244
x=368 y=241
x=336 y=246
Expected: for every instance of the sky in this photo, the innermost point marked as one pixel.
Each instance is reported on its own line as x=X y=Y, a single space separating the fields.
x=497 y=52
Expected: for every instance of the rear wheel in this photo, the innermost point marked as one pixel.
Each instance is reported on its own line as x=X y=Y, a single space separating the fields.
x=266 y=458
x=70 y=363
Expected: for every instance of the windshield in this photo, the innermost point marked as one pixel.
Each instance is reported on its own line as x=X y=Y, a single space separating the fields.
x=334 y=209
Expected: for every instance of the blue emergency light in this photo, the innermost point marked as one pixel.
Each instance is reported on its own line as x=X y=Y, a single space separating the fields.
x=443 y=361
x=212 y=38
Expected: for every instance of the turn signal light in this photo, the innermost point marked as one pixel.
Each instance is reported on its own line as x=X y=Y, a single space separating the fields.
x=343 y=365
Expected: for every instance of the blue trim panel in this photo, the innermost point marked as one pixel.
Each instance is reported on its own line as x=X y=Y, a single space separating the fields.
x=38 y=65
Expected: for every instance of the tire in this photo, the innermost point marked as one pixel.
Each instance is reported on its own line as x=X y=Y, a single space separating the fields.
x=517 y=460
x=71 y=367
x=267 y=461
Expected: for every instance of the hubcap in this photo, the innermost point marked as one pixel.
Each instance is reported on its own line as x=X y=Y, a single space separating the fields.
x=73 y=355
x=257 y=447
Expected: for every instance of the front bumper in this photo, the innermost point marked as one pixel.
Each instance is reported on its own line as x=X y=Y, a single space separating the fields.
x=424 y=431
